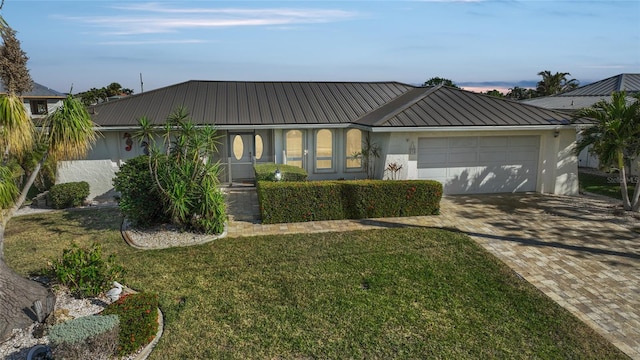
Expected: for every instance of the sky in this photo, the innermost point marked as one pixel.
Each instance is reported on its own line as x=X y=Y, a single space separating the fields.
x=78 y=45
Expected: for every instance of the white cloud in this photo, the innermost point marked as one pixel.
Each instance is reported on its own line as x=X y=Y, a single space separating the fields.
x=154 y=42
x=154 y=18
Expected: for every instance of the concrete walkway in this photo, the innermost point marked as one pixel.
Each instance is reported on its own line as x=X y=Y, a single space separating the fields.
x=587 y=262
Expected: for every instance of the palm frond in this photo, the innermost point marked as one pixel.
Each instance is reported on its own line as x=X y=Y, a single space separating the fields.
x=71 y=131
x=15 y=125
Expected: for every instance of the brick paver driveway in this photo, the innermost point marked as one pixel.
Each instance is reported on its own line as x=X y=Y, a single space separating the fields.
x=586 y=262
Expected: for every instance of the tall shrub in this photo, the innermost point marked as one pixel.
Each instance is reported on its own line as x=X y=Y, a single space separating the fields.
x=183 y=172
x=140 y=201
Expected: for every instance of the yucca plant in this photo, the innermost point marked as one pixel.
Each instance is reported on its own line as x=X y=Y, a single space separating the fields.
x=184 y=173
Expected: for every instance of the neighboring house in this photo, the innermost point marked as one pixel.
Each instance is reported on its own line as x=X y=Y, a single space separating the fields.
x=587 y=96
x=472 y=143
x=40 y=101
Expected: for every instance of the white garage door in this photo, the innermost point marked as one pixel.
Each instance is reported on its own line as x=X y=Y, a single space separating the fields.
x=480 y=164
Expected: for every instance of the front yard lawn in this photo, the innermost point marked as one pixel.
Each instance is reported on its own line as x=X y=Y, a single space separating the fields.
x=604 y=185
x=399 y=293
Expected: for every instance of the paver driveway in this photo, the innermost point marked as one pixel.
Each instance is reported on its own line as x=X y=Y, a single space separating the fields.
x=584 y=261
x=587 y=262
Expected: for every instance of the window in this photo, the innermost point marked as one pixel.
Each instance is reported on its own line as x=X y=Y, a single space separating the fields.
x=259 y=147
x=38 y=107
x=238 y=147
x=354 y=146
x=324 y=149
x=293 y=142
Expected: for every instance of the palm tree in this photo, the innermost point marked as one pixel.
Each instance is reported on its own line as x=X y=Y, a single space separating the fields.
x=615 y=138
x=552 y=84
x=66 y=134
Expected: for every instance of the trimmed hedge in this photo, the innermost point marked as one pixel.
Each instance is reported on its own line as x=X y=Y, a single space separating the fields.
x=282 y=202
x=266 y=171
x=67 y=195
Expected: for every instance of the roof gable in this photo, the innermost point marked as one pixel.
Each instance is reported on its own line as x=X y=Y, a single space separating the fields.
x=443 y=106
x=622 y=82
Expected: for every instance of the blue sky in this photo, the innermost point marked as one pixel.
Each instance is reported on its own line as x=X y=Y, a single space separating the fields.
x=506 y=43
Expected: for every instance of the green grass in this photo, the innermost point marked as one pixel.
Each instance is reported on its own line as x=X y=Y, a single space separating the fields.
x=603 y=185
x=398 y=293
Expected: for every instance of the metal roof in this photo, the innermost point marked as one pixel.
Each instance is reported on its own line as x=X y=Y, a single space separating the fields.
x=230 y=104
x=622 y=82
x=443 y=106
x=588 y=95
x=238 y=103
x=38 y=91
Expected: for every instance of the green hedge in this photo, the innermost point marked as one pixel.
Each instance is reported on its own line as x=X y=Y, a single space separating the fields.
x=67 y=195
x=282 y=202
x=266 y=171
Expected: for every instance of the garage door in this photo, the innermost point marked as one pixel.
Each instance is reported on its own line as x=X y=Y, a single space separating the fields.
x=480 y=164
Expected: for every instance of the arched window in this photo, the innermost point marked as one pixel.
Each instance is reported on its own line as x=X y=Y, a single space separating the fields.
x=324 y=149
x=354 y=146
x=293 y=142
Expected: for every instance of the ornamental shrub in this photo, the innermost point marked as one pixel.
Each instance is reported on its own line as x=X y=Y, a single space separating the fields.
x=86 y=337
x=84 y=270
x=138 y=314
x=140 y=200
x=67 y=195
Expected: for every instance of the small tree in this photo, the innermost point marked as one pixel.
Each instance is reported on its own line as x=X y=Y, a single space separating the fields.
x=434 y=81
x=615 y=139
x=519 y=93
x=67 y=133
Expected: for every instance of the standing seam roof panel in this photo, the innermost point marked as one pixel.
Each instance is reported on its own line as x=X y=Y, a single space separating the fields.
x=198 y=114
x=303 y=102
x=210 y=108
x=243 y=104
x=330 y=91
x=344 y=101
x=296 y=100
x=323 y=105
x=471 y=107
x=454 y=116
x=336 y=113
x=266 y=113
x=332 y=100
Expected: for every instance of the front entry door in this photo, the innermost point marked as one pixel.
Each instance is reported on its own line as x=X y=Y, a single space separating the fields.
x=242 y=152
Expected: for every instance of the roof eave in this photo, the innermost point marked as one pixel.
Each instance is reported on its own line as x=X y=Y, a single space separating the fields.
x=470 y=128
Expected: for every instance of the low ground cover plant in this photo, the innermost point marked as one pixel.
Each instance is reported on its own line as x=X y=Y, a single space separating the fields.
x=86 y=337
x=138 y=314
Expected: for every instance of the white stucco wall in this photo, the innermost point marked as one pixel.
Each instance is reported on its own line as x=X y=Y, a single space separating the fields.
x=98 y=173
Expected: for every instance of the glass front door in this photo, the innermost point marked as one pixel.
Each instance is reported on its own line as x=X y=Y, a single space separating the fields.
x=242 y=152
